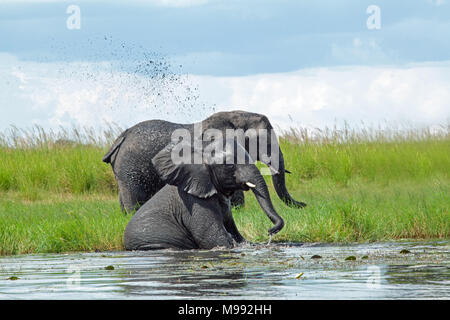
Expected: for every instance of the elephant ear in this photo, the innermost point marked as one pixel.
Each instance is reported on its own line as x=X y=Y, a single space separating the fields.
x=192 y=178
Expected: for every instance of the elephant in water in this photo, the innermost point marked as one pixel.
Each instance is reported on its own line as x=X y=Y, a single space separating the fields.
x=131 y=154
x=193 y=210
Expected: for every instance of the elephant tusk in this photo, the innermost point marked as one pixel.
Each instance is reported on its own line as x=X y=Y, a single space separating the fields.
x=249 y=184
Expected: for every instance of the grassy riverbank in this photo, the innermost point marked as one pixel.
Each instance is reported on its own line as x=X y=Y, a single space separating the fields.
x=56 y=195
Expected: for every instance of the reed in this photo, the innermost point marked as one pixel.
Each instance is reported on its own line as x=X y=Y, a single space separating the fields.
x=361 y=184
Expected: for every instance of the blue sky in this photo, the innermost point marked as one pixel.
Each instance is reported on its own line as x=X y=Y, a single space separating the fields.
x=321 y=50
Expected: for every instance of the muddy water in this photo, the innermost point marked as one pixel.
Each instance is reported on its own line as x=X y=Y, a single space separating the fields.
x=278 y=271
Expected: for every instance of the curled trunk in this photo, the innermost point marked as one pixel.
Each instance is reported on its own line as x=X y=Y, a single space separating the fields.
x=262 y=195
x=279 y=183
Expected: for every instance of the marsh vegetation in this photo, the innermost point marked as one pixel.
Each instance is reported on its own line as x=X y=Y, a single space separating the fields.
x=369 y=184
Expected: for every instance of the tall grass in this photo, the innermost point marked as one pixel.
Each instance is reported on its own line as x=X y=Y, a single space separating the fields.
x=62 y=225
x=360 y=184
x=360 y=211
x=38 y=137
x=376 y=155
x=35 y=161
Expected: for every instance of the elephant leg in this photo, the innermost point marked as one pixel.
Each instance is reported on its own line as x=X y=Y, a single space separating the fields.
x=230 y=226
x=122 y=207
x=238 y=199
x=129 y=202
x=134 y=194
x=215 y=236
x=209 y=231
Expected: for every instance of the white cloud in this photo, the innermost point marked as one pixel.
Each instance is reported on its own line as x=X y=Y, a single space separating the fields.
x=417 y=94
x=90 y=93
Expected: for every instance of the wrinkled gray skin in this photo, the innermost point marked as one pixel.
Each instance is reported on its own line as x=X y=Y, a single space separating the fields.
x=193 y=210
x=131 y=154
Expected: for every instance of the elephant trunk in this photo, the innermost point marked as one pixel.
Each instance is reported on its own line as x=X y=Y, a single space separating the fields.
x=262 y=195
x=279 y=184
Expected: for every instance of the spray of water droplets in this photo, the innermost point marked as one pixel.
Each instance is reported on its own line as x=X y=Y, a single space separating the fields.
x=129 y=77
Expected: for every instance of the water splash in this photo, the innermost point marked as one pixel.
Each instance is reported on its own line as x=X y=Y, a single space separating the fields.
x=130 y=81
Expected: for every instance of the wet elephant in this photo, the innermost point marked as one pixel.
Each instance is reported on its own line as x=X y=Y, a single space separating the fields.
x=131 y=154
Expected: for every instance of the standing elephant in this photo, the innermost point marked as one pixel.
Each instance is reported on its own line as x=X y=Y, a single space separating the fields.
x=193 y=210
x=131 y=154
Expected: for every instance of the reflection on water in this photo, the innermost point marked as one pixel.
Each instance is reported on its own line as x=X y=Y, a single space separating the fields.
x=380 y=271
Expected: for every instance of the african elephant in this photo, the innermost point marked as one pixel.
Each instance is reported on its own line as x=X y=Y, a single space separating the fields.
x=192 y=211
x=130 y=155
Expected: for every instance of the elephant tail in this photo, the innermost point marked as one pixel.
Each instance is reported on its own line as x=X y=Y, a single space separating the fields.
x=114 y=148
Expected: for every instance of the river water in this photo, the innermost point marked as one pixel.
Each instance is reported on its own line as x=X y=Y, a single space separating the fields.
x=276 y=271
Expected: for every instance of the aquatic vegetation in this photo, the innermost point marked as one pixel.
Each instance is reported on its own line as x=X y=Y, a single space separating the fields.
x=299 y=275
x=350 y=258
x=275 y=271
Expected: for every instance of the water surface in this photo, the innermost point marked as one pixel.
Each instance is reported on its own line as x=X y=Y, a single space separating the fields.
x=380 y=271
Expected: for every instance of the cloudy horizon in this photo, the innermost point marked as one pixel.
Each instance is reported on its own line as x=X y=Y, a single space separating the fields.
x=210 y=56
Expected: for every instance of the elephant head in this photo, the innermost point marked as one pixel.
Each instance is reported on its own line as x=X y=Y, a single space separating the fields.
x=215 y=170
x=254 y=125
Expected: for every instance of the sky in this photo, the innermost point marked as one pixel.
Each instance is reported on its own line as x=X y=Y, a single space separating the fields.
x=301 y=63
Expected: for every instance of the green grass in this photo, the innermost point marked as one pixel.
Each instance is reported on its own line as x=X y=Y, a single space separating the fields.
x=60 y=225
x=360 y=185
x=359 y=211
x=45 y=162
